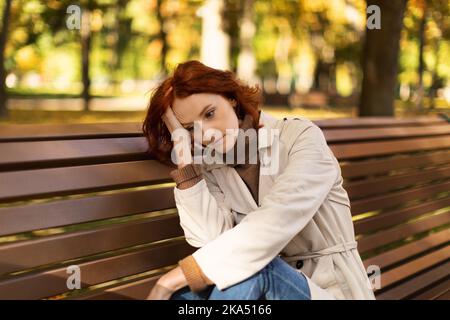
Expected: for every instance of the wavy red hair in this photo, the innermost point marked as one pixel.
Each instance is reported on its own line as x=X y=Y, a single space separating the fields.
x=189 y=78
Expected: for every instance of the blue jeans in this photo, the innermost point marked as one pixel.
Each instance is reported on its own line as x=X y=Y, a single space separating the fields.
x=276 y=281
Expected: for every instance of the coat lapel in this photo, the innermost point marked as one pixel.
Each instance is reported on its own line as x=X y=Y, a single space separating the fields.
x=241 y=198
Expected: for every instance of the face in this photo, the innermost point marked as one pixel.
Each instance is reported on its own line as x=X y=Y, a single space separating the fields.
x=216 y=114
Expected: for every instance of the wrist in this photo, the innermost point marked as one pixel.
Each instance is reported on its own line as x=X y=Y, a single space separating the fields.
x=173 y=280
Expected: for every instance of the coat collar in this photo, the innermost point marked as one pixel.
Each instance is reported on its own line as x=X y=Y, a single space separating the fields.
x=265 y=138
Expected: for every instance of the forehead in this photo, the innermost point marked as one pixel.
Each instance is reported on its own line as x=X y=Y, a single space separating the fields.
x=189 y=108
x=194 y=101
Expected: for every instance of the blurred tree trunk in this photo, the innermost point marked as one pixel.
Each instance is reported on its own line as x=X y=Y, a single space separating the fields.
x=85 y=50
x=3 y=38
x=162 y=37
x=421 y=67
x=323 y=79
x=380 y=60
x=232 y=14
x=113 y=42
x=436 y=82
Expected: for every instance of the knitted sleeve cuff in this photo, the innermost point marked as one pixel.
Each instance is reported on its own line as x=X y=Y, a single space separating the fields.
x=197 y=280
x=187 y=176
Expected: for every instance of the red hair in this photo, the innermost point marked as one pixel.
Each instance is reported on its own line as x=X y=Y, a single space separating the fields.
x=189 y=78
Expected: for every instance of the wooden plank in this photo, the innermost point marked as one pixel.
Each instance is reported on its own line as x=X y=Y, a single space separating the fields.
x=387 y=219
x=370 y=149
x=401 y=232
x=52 y=282
x=376 y=186
x=25 y=155
x=445 y=296
x=137 y=290
x=355 y=169
x=398 y=197
x=47 y=250
x=435 y=291
x=409 y=269
x=346 y=135
x=39 y=132
x=29 y=184
x=66 y=212
x=416 y=284
x=391 y=257
x=373 y=122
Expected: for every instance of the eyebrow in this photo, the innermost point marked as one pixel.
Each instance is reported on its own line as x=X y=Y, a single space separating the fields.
x=201 y=113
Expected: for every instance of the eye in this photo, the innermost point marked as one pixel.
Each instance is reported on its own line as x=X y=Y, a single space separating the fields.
x=210 y=113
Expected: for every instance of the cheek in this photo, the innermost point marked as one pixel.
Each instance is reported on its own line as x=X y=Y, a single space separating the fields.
x=230 y=140
x=232 y=121
x=227 y=144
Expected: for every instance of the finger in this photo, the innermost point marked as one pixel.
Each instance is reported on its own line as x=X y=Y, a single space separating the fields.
x=167 y=122
x=168 y=111
x=170 y=114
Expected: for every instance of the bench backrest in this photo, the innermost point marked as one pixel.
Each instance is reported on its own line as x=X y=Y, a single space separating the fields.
x=87 y=195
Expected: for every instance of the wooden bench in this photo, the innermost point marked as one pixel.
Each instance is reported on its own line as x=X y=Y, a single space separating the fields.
x=87 y=195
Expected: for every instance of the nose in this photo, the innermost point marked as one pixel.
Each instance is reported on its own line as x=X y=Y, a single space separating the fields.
x=209 y=135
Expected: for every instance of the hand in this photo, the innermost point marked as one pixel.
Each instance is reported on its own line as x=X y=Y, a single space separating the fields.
x=171 y=120
x=160 y=292
x=182 y=146
x=168 y=284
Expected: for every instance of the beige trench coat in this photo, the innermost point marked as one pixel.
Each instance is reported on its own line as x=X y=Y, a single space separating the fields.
x=303 y=214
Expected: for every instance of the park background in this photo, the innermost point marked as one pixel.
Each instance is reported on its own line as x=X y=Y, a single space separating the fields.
x=311 y=58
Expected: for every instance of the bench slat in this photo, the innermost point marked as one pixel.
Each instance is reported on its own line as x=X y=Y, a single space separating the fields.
x=53 y=282
x=373 y=122
x=410 y=268
x=418 y=283
x=391 y=257
x=36 y=132
x=435 y=292
x=65 y=212
x=445 y=296
x=369 y=149
x=24 y=155
x=19 y=185
x=387 y=219
x=396 y=198
x=398 y=233
x=137 y=290
x=371 y=167
x=46 y=250
x=378 y=186
x=346 y=135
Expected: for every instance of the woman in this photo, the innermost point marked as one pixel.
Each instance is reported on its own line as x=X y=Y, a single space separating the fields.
x=274 y=223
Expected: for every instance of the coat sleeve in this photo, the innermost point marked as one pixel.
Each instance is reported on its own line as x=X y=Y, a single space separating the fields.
x=203 y=213
x=295 y=197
